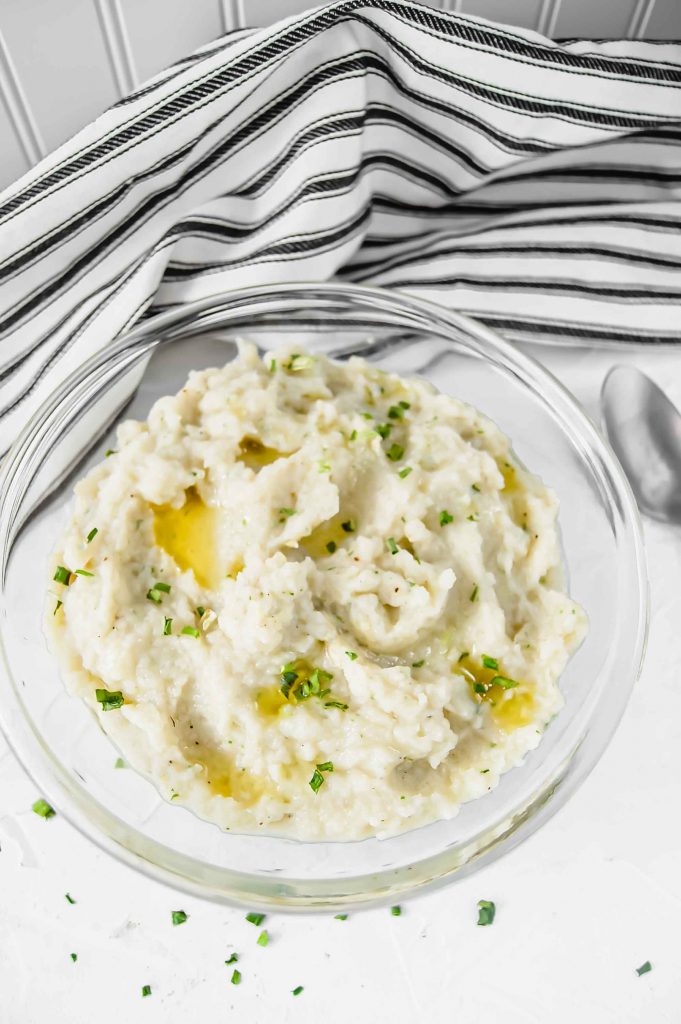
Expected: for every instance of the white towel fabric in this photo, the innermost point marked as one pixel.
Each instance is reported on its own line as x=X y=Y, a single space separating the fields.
x=532 y=185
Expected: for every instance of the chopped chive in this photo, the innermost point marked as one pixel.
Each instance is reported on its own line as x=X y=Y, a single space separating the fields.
x=474 y=593
x=178 y=917
x=288 y=678
x=489 y=662
x=236 y=977
x=324 y=467
x=83 y=572
x=504 y=682
x=383 y=429
x=43 y=809
x=233 y=958
x=340 y=917
x=327 y=766
x=483 y=771
x=486 y=912
x=146 y=990
x=273 y=365
x=644 y=968
x=74 y=956
x=396 y=412
x=108 y=452
x=190 y=631
x=119 y=763
x=392 y=546
x=336 y=704
x=349 y=526
x=286 y=513
x=404 y=472
x=445 y=517
x=109 y=699
x=62 y=575
x=200 y=611
x=317 y=781
x=163 y=587
x=69 y=898
x=167 y=626
x=475 y=487
x=396 y=911
x=479 y=688
x=297 y=363
x=57 y=607
x=331 y=546
x=154 y=595
x=297 y=990
x=472 y=519
x=256 y=919
x=417 y=664
x=317 y=678
x=395 y=452
x=352 y=655
x=92 y=534
x=263 y=938
x=404 y=405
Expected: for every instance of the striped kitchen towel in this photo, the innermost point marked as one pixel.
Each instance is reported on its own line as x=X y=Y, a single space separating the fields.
x=533 y=185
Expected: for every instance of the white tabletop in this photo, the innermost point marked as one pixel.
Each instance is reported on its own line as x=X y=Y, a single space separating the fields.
x=581 y=905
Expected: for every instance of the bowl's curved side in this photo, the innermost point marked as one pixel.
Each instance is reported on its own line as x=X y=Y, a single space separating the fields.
x=98 y=389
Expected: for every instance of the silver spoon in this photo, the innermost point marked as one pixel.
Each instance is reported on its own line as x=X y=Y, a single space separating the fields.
x=644 y=429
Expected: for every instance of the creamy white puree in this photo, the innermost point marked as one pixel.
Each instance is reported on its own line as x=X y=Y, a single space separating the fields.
x=302 y=514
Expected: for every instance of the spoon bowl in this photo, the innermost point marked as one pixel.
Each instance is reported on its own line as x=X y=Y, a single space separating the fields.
x=644 y=429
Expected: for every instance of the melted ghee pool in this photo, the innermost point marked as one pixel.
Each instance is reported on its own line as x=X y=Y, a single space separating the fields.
x=329 y=532
x=510 y=476
x=254 y=454
x=511 y=709
x=513 y=489
x=271 y=700
x=235 y=569
x=189 y=535
x=516 y=711
x=225 y=779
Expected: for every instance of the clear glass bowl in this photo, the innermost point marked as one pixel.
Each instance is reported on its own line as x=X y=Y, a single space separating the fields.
x=72 y=760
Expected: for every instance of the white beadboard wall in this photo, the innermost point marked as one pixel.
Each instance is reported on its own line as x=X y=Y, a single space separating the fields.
x=64 y=61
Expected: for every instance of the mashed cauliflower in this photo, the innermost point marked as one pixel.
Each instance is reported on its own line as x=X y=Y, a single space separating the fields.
x=314 y=599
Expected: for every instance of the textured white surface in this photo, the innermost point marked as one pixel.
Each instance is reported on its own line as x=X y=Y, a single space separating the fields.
x=579 y=906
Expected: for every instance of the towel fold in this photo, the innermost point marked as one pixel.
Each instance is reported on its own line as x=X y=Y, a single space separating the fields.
x=532 y=185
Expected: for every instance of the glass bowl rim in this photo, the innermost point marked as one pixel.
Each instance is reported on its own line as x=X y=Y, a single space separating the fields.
x=238 y=887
